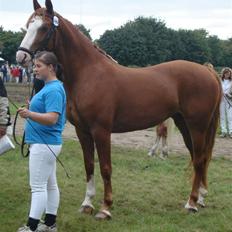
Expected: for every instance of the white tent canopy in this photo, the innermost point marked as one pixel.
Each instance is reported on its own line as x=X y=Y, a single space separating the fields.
x=1 y=59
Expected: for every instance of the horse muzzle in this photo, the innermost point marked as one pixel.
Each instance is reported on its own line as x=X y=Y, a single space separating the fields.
x=23 y=58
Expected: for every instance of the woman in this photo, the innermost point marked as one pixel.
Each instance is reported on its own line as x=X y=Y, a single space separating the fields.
x=226 y=103
x=43 y=131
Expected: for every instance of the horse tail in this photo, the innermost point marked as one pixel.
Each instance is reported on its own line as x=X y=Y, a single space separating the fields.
x=170 y=130
x=212 y=129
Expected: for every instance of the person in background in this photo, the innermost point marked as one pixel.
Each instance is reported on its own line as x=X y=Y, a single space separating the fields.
x=20 y=75
x=226 y=104
x=4 y=72
x=4 y=110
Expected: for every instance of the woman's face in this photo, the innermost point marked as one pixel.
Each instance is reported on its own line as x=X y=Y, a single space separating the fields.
x=41 y=70
x=227 y=75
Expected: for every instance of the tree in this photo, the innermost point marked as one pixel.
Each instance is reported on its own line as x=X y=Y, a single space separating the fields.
x=216 y=50
x=10 y=42
x=140 y=42
x=227 y=52
x=147 y=41
x=192 y=45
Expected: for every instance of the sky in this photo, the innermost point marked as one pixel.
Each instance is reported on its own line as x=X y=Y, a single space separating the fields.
x=100 y=15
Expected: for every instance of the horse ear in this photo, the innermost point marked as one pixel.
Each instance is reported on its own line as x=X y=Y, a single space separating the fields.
x=49 y=6
x=36 y=5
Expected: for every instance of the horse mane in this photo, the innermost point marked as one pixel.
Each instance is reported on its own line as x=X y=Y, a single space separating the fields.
x=42 y=12
x=94 y=44
x=97 y=47
x=104 y=53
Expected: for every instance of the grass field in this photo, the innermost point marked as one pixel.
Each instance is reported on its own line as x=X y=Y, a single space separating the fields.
x=149 y=194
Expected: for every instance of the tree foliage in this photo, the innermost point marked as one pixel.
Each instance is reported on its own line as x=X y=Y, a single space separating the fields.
x=140 y=42
x=143 y=42
x=146 y=41
x=9 y=42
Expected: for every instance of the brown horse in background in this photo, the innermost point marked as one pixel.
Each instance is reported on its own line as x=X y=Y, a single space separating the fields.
x=104 y=97
x=161 y=134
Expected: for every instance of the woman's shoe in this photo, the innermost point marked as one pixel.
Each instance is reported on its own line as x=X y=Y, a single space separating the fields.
x=44 y=228
x=25 y=229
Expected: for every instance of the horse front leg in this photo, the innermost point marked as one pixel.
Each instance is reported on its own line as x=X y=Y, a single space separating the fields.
x=102 y=141
x=87 y=144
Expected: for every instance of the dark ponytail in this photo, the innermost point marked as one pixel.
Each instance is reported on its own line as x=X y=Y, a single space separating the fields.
x=59 y=72
x=49 y=58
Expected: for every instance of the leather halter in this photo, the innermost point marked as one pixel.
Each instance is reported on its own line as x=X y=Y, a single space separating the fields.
x=45 y=41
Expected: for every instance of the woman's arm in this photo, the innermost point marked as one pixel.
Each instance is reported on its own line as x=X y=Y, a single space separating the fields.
x=42 y=118
x=4 y=110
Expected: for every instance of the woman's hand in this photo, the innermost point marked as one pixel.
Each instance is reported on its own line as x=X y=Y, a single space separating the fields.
x=24 y=112
x=27 y=103
x=49 y=118
x=2 y=131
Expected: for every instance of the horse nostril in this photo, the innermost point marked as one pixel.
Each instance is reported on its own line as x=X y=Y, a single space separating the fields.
x=24 y=58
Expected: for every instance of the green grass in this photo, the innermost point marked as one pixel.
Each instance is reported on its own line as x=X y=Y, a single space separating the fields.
x=149 y=194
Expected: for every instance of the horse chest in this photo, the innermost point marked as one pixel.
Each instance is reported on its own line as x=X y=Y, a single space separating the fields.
x=72 y=114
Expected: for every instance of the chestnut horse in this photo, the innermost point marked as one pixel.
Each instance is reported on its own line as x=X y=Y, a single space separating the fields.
x=104 y=97
x=161 y=134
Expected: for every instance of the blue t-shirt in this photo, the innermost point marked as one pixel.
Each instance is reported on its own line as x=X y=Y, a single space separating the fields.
x=51 y=98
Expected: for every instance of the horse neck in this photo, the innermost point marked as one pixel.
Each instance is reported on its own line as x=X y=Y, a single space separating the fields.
x=74 y=50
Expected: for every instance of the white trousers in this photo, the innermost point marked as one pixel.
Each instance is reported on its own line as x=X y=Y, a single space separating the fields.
x=45 y=195
x=225 y=116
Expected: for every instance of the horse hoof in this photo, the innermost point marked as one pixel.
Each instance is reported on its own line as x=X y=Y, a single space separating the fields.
x=103 y=215
x=190 y=208
x=201 y=203
x=150 y=154
x=162 y=157
x=86 y=209
x=203 y=191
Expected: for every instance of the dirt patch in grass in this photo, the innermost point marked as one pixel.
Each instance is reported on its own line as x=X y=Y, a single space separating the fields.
x=145 y=138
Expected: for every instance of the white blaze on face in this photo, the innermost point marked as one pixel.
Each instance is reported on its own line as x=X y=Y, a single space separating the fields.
x=34 y=25
x=23 y=57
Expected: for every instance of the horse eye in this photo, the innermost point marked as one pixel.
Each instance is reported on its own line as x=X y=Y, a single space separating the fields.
x=43 y=28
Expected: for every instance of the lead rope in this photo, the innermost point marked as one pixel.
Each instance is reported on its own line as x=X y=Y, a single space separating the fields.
x=22 y=143
x=62 y=165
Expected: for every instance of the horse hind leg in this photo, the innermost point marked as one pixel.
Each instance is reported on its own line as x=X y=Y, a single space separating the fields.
x=203 y=186
x=202 y=193
x=154 y=148
x=210 y=137
x=164 y=148
x=87 y=145
x=183 y=128
x=199 y=165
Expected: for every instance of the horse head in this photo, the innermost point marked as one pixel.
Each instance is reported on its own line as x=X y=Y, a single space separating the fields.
x=40 y=32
